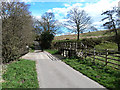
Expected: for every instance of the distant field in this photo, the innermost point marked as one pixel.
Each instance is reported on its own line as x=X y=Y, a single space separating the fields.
x=95 y=34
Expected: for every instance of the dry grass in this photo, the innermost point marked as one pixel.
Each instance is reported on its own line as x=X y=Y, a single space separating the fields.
x=85 y=35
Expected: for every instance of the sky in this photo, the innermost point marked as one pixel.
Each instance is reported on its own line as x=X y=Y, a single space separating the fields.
x=94 y=8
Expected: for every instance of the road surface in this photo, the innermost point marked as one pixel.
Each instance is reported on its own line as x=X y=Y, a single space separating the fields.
x=53 y=73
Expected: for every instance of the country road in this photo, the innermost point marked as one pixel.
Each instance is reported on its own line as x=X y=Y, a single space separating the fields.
x=53 y=73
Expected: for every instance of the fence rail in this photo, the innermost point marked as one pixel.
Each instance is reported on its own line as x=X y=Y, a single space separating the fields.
x=108 y=57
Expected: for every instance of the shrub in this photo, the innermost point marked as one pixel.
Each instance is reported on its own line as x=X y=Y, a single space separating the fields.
x=16 y=30
x=46 y=39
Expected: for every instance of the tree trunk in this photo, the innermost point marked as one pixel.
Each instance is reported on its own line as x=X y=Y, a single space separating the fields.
x=78 y=32
x=117 y=38
x=78 y=35
x=118 y=46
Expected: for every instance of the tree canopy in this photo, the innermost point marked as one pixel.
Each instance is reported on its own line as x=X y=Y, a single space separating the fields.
x=47 y=23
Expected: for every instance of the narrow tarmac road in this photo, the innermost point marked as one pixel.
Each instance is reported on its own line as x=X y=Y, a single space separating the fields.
x=53 y=73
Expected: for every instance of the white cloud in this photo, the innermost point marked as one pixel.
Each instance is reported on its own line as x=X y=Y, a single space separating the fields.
x=49 y=10
x=38 y=17
x=66 y=5
x=102 y=5
x=60 y=13
x=93 y=9
x=77 y=5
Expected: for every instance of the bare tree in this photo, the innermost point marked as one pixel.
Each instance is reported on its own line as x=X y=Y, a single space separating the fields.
x=113 y=23
x=78 y=21
x=47 y=23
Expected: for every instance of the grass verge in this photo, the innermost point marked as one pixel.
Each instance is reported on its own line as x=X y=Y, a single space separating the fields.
x=20 y=74
x=105 y=75
x=31 y=50
x=52 y=51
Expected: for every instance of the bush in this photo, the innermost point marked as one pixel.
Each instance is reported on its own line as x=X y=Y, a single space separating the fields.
x=32 y=46
x=90 y=42
x=16 y=30
x=46 y=39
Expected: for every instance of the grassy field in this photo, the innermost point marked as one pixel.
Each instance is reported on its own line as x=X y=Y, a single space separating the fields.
x=20 y=74
x=104 y=75
x=52 y=51
x=107 y=45
x=95 y=34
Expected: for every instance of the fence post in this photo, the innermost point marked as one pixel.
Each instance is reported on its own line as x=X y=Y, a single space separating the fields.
x=94 y=53
x=119 y=60
x=69 y=53
x=75 y=48
x=70 y=45
x=106 y=56
x=63 y=52
x=66 y=52
x=74 y=45
x=85 y=51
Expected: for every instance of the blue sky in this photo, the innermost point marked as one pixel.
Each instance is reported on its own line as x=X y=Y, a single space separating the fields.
x=60 y=7
x=38 y=8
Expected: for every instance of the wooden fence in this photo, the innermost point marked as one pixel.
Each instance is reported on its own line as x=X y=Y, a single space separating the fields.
x=108 y=57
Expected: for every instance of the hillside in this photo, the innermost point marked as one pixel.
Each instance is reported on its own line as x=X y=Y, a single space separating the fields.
x=95 y=34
